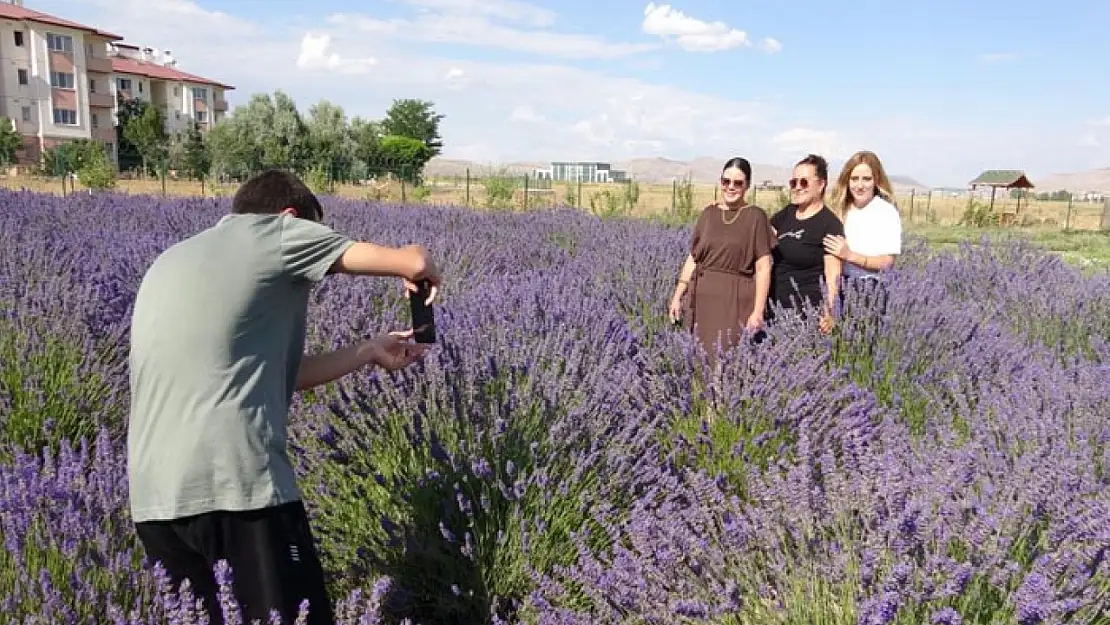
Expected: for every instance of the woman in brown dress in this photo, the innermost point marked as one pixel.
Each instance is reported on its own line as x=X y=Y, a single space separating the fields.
x=728 y=270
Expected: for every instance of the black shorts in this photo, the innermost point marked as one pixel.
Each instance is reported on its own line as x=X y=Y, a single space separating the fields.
x=271 y=553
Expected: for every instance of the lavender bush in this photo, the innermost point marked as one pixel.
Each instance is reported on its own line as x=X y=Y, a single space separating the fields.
x=564 y=456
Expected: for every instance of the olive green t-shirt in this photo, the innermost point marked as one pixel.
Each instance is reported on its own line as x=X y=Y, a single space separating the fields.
x=217 y=337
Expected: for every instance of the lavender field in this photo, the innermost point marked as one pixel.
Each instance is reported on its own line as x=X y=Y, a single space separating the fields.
x=564 y=458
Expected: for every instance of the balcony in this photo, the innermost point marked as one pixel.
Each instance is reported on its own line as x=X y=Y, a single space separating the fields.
x=105 y=133
x=98 y=64
x=219 y=104
x=101 y=100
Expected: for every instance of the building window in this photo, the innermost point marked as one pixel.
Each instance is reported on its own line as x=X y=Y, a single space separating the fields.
x=92 y=86
x=90 y=50
x=202 y=116
x=26 y=113
x=177 y=92
x=19 y=38
x=140 y=87
x=125 y=84
x=22 y=76
x=59 y=43
x=95 y=120
x=65 y=117
x=200 y=93
x=61 y=80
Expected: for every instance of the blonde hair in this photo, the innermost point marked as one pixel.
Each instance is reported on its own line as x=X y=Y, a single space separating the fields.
x=841 y=196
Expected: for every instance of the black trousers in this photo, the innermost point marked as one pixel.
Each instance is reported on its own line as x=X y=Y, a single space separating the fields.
x=271 y=553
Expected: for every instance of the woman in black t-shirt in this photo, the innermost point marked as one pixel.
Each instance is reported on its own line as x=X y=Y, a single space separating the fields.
x=800 y=260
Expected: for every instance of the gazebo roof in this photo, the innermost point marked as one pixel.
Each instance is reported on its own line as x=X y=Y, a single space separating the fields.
x=1006 y=178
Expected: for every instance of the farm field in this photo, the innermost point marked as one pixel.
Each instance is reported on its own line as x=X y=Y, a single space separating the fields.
x=563 y=457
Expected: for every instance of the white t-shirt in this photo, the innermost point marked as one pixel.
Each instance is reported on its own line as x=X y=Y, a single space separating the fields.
x=874 y=230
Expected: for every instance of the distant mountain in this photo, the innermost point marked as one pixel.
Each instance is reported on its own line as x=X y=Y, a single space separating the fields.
x=657 y=170
x=1078 y=182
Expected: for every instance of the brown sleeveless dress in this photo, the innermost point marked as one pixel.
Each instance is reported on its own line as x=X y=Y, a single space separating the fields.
x=721 y=293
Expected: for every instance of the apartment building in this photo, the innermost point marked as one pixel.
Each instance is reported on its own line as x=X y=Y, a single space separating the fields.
x=59 y=81
x=183 y=98
x=55 y=79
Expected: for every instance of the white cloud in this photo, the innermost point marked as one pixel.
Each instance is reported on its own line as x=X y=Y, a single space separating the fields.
x=316 y=55
x=525 y=113
x=455 y=79
x=1105 y=121
x=509 y=10
x=695 y=35
x=477 y=30
x=1088 y=141
x=770 y=45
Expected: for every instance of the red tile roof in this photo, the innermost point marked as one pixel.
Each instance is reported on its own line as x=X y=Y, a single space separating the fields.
x=14 y=12
x=122 y=65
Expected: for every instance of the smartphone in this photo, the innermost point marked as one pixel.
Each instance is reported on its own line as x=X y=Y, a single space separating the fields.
x=423 y=318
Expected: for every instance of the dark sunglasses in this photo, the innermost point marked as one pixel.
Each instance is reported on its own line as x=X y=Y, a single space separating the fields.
x=738 y=183
x=799 y=183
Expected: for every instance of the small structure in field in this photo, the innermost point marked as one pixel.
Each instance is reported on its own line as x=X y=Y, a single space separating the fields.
x=1005 y=179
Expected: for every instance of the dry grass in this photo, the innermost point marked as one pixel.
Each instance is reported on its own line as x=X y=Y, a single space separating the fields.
x=653 y=200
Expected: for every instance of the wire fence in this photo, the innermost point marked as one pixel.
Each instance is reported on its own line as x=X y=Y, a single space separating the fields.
x=677 y=201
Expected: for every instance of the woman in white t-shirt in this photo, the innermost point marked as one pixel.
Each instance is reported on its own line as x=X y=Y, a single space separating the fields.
x=864 y=199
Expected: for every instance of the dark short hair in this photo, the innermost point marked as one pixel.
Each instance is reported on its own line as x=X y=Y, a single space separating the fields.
x=273 y=191
x=740 y=163
x=819 y=163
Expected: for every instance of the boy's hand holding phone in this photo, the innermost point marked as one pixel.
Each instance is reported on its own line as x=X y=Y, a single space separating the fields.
x=429 y=276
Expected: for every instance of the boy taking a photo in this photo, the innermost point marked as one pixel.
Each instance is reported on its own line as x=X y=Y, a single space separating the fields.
x=217 y=340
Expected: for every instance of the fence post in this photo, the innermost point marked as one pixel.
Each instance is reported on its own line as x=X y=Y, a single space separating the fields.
x=525 y=191
x=1067 y=220
x=1104 y=222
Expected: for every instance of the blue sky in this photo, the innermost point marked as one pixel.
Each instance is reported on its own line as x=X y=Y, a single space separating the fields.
x=940 y=89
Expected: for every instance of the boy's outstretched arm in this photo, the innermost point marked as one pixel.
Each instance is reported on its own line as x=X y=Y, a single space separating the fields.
x=411 y=262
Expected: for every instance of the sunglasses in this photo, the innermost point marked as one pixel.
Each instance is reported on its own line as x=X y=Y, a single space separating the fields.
x=733 y=182
x=799 y=183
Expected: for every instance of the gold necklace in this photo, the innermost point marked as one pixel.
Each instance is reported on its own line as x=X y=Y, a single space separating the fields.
x=726 y=221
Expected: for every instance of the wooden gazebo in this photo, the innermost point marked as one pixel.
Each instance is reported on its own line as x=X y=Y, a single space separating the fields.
x=1005 y=179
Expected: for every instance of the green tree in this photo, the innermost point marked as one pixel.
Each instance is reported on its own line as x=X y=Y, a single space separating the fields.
x=10 y=141
x=416 y=119
x=96 y=170
x=331 y=143
x=268 y=131
x=196 y=159
x=147 y=133
x=275 y=127
x=234 y=149
x=404 y=157
x=71 y=157
x=127 y=154
x=366 y=135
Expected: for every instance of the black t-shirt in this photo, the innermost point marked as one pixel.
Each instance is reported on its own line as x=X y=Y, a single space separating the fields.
x=800 y=256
